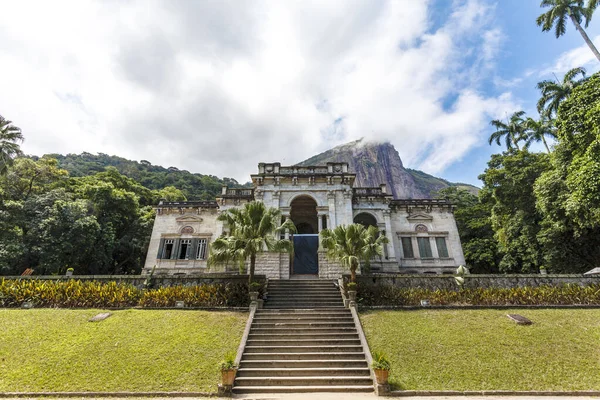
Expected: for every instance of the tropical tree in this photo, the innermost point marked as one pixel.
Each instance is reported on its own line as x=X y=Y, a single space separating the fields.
x=513 y=130
x=252 y=230
x=351 y=244
x=575 y=10
x=554 y=92
x=10 y=135
x=537 y=130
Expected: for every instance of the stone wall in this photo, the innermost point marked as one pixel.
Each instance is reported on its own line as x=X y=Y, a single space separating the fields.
x=446 y=282
x=158 y=281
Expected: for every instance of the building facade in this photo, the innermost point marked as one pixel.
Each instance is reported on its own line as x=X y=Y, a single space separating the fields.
x=422 y=233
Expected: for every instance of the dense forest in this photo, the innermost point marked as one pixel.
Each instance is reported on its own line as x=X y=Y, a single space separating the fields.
x=193 y=186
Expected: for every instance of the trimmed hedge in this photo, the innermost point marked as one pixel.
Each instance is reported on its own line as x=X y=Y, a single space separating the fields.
x=570 y=294
x=94 y=294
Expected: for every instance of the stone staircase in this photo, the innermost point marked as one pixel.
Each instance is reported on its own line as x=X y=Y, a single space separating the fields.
x=303 y=341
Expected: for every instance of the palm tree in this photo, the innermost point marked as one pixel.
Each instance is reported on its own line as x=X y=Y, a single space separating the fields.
x=554 y=92
x=9 y=148
x=513 y=131
x=252 y=230
x=557 y=17
x=537 y=130
x=351 y=244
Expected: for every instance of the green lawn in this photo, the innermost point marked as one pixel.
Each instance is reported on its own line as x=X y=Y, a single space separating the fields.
x=484 y=350
x=132 y=350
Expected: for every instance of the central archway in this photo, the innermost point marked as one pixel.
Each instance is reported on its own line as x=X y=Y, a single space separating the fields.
x=303 y=214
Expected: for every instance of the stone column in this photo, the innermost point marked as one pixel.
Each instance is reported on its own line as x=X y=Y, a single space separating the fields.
x=331 y=201
x=387 y=217
x=320 y=222
x=287 y=231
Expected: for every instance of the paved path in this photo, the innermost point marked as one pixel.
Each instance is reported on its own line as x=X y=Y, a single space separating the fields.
x=327 y=396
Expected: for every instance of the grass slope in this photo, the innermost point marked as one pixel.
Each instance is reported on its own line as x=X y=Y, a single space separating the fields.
x=484 y=350
x=132 y=350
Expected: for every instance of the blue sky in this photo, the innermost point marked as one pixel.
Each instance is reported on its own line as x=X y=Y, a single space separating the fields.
x=528 y=55
x=217 y=86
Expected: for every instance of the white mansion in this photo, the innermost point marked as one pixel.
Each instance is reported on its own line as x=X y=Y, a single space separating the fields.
x=422 y=234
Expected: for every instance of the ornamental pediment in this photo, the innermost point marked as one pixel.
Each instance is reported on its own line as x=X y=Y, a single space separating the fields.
x=187 y=219
x=419 y=217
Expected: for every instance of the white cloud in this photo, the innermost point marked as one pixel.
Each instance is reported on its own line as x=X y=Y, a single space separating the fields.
x=217 y=86
x=580 y=56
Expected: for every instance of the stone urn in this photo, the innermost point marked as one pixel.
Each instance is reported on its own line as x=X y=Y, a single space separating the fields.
x=227 y=377
x=253 y=296
x=381 y=375
x=352 y=295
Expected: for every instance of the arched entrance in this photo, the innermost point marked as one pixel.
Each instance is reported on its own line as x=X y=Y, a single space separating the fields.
x=365 y=219
x=303 y=214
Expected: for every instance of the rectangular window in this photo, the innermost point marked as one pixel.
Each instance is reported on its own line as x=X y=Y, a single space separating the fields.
x=184 y=249
x=440 y=242
x=201 y=254
x=407 y=248
x=168 y=249
x=424 y=247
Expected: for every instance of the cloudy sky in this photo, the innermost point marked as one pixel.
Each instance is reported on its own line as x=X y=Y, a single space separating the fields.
x=217 y=86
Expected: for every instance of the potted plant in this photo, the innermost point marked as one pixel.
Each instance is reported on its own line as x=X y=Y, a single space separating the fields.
x=351 y=287
x=253 y=289
x=69 y=271
x=543 y=270
x=228 y=369
x=382 y=367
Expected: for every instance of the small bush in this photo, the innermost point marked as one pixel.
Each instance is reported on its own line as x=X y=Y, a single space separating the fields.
x=387 y=295
x=94 y=294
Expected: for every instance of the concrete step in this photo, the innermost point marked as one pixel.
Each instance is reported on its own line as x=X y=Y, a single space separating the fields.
x=280 y=372
x=331 y=355
x=273 y=330
x=302 y=318
x=301 y=336
x=294 y=304
x=304 y=342
x=318 y=380
x=279 y=364
x=302 y=349
x=304 y=324
x=336 y=309
x=294 y=313
x=303 y=389
x=310 y=296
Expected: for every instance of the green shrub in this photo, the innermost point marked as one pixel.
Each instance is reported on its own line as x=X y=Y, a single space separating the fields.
x=387 y=295
x=380 y=361
x=94 y=294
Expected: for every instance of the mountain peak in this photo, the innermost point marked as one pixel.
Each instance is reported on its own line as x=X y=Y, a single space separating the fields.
x=375 y=163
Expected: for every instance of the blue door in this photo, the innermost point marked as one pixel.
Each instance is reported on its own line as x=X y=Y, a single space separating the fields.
x=306 y=260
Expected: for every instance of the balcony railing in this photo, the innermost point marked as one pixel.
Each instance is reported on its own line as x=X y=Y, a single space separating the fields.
x=238 y=193
x=369 y=192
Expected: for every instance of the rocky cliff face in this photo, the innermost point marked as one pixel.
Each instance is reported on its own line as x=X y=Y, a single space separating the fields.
x=377 y=163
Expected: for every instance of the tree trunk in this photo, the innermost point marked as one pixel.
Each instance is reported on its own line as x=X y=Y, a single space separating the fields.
x=251 y=272
x=515 y=141
x=353 y=272
x=545 y=144
x=585 y=37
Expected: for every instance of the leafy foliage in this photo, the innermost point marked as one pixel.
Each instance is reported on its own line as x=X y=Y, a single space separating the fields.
x=388 y=295
x=77 y=293
x=508 y=190
x=10 y=136
x=252 y=230
x=191 y=186
x=351 y=244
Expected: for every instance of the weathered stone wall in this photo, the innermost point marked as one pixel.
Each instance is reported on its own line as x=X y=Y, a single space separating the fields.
x=446 y=282
x=169 y=223
x=158 y=281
